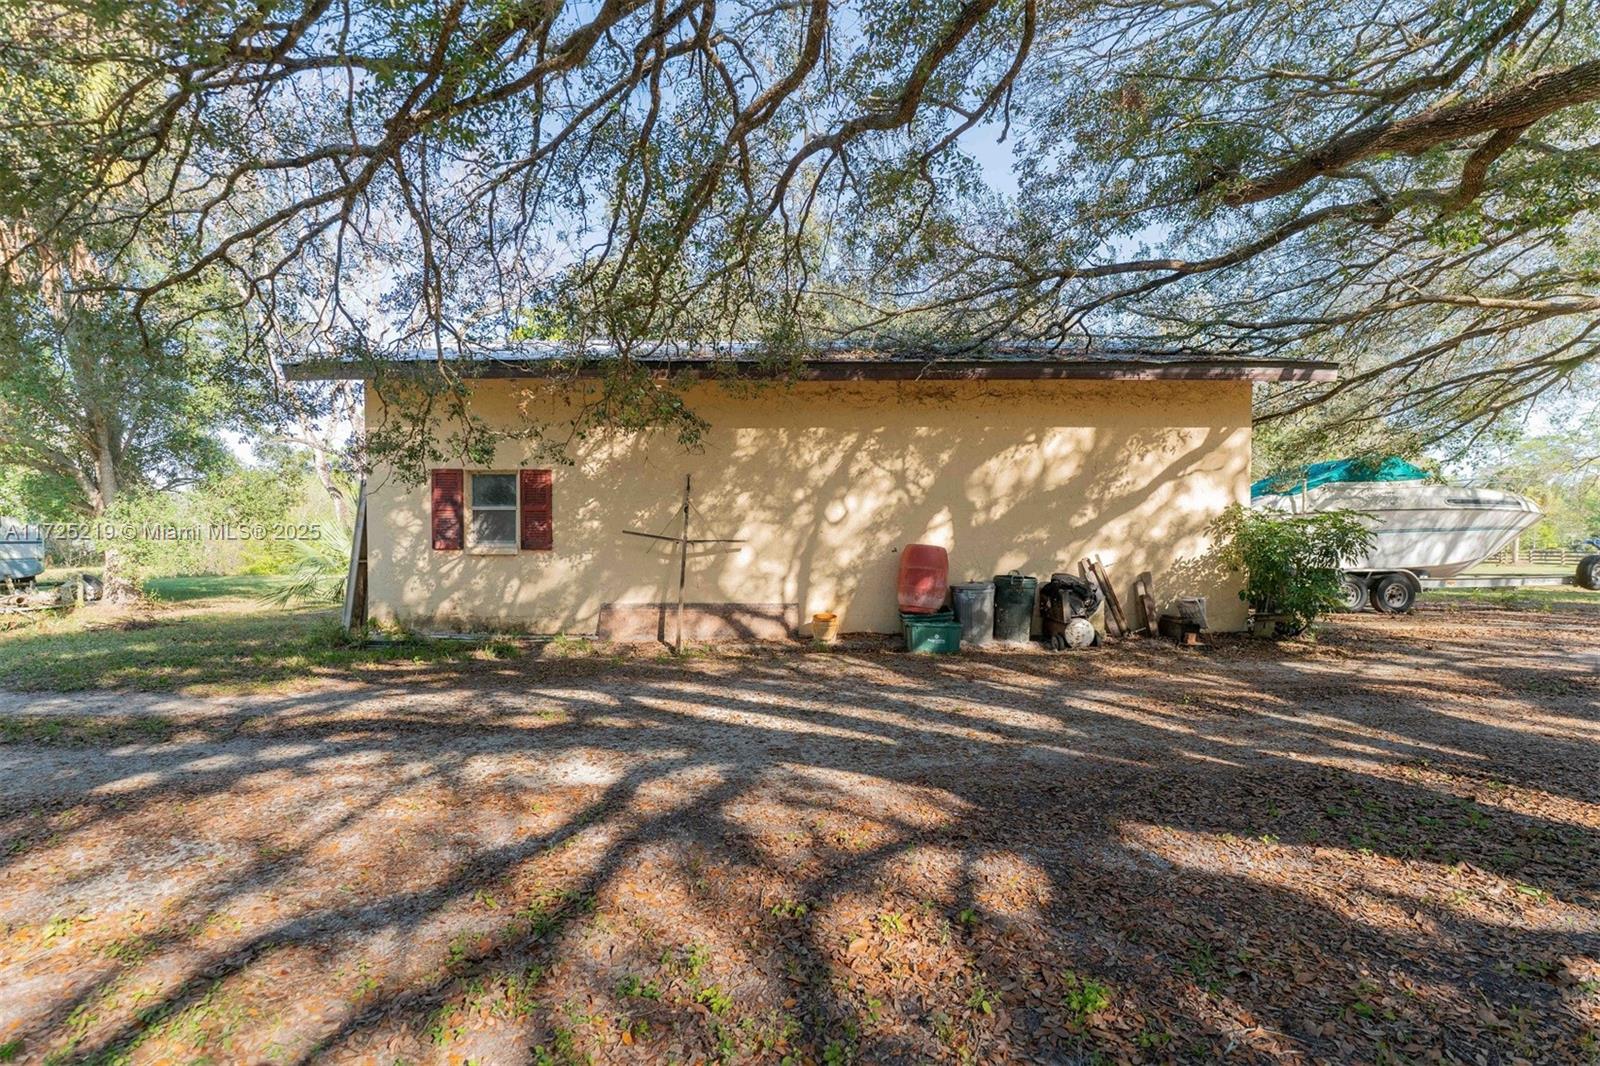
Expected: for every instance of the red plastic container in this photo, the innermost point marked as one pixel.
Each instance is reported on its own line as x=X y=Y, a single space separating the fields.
x=924 y=578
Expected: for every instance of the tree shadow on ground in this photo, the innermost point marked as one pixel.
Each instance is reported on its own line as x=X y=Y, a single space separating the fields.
x=1361 y=849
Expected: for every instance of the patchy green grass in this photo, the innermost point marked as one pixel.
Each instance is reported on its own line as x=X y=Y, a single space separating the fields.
x=207 y=633
x=83 y=729
x=1482 y=569
x=1529 y=598
x=207 y=587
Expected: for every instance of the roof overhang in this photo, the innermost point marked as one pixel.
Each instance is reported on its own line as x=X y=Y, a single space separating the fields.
x=993 y=363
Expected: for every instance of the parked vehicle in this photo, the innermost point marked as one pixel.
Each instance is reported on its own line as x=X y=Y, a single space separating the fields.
x=1421 y=531
x=21 y=551
x=1588 y=575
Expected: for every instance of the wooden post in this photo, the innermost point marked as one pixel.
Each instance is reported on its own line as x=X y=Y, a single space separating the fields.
x=683 y=566
x=1144 y=587
x=1113 y=601
x=1086 y=569
x=354 y=614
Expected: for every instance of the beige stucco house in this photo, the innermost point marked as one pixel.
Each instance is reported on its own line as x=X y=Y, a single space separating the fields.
x=1015 y=459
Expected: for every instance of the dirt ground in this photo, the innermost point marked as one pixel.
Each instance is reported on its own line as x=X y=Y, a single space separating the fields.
x=1384 y=846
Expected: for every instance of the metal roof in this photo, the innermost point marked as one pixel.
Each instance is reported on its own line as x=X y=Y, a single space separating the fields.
x=837 y=362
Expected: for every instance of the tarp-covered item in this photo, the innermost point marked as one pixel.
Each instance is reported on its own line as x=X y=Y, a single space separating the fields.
x=1336 y=470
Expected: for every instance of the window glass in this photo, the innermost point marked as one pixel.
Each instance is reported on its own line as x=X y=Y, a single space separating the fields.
x=494 y=490
x=494 y=510
x=494 y=526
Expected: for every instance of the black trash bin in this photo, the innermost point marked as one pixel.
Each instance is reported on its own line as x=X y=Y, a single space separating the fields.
x=1014 y=595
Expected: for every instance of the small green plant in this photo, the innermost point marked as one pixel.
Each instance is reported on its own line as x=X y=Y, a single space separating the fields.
x=1361 y=995
x=980 y=998
x=1083 y=998
x=1541 y=968
x=836 y=1053
x=130 y=950
x=1202 y=961
x=561 y=1051
x=366 y=982
x=789 y=908
x=501 y=647
x=714 y=998
x=1291 y=562
x=10 y=1050
x=59 y=926
x=576 y=647
x=456 y=953
x=695 y=959
x=634 y=988
x=440 y=1031
x=891 y=923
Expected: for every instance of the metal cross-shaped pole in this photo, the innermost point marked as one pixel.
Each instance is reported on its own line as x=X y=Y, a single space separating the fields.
x=683 y=540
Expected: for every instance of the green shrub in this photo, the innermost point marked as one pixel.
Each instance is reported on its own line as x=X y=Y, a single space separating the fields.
x=1291 y=562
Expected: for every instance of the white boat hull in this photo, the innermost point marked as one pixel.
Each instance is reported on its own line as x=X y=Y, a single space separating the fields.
x=1434 y=531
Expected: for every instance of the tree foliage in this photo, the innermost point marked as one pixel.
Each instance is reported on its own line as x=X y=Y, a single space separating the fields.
x=1406 y=186
x=1561 y=473
x=93 y=407
x=101 y=391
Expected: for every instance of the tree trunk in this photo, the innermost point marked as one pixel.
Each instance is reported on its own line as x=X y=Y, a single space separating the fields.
x=116 y=585
x=324 y=469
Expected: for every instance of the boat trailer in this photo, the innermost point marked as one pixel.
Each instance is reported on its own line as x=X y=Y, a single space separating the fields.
x=1396 y=591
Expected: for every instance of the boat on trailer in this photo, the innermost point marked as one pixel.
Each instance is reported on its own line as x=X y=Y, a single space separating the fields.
x=1422 y=531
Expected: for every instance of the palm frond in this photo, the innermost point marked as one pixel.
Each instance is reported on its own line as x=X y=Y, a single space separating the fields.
x=317 y=574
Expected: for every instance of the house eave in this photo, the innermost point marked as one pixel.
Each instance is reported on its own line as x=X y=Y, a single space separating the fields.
x=1268 y=370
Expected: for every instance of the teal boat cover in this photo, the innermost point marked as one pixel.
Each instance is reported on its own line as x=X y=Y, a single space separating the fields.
x=1335 y=470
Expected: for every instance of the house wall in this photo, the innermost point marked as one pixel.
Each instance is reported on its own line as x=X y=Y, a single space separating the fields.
x=826 y=482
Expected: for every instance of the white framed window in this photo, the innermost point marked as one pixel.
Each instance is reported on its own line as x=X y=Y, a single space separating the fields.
x=492 y=516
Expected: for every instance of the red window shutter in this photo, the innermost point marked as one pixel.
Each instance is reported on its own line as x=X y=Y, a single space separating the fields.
x=449 y=511
x=538 y=523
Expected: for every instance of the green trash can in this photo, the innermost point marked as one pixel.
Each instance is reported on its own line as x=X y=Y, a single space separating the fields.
x=941 y=637
x=906 y=618
x=1014 y=596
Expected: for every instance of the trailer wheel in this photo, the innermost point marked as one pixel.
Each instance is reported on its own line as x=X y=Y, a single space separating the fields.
x=1589 y=572
x=1393 y=594
x=1355 y=592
